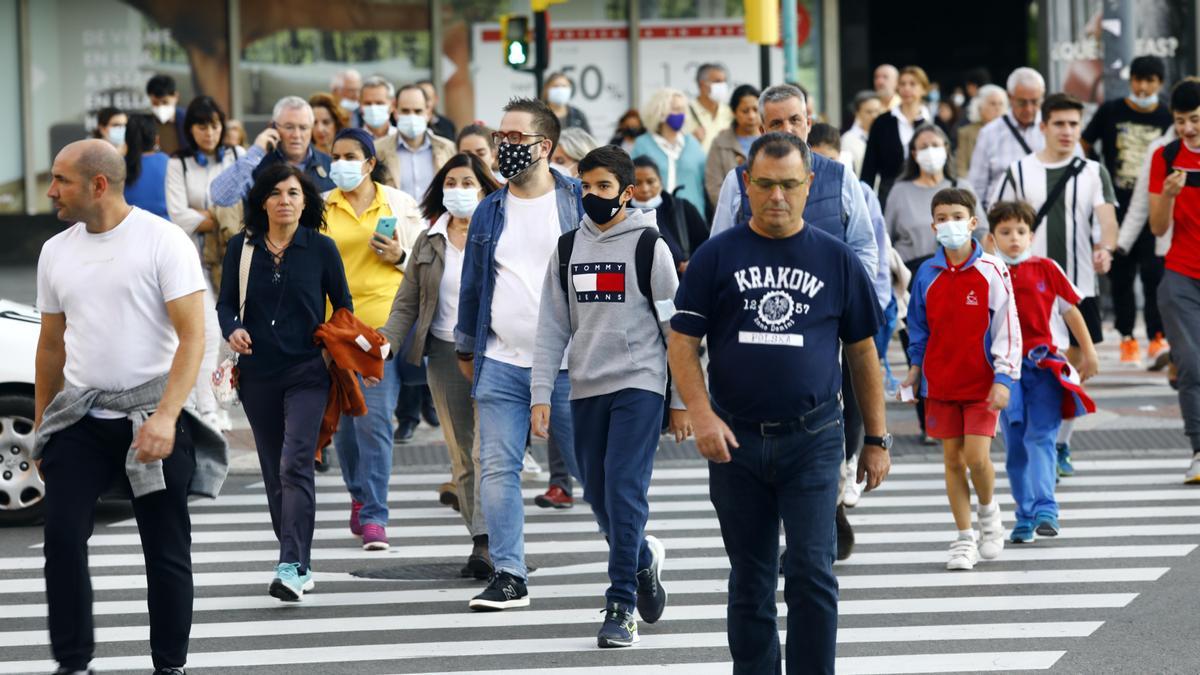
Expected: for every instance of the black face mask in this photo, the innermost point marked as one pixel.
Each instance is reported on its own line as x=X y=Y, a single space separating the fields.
x=601 y=210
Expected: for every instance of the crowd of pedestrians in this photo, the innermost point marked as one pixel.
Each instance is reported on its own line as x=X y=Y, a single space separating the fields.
x=363 y=265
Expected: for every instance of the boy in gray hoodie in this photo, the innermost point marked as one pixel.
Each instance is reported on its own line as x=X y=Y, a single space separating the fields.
x=618 y=370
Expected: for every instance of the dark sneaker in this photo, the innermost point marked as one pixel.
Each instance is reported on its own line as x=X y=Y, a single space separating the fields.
x=619 y=629
x=479 y=564
x=404 y=431
x=1022 y=532
x=448 y=495
x=651 y=596
x=72 y=671
x=504 y=591
x=555 y=498
x=1047 y=525
x=1065 y=468
x=845 y=533
x=169 y=671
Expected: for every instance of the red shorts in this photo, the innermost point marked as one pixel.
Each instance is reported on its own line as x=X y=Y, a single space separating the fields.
x=954 y=419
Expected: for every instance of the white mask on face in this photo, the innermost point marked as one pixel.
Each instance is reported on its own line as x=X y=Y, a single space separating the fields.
x=349 y=104
x=411 y=126
x=718 y=91
x=1018 y=258
x=954 y=234
x=460 y=202
x=652 y=203
x=163 y=113
x=558 y=95
x=375 y=114
x=932 y=159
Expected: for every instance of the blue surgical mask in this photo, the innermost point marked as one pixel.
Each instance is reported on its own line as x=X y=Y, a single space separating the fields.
x=1144 y=101
x=346 y=174
x=116 y=135
x=375 y=115
x=954 y=234
x=1017 y=259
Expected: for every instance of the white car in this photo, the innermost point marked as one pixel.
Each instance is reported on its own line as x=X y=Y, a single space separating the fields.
x=21 y=487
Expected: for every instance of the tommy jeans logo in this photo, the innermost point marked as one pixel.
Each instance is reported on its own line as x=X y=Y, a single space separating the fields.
x=972 y=301
x=599 y=282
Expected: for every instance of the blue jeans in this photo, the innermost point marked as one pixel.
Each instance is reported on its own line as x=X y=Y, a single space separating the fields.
x=364 y=449
x=616 y=436
x=1030 y=425
x=793 y=476
x=502 y=399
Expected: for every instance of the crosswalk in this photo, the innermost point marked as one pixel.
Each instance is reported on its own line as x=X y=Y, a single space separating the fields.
x=1126 y=522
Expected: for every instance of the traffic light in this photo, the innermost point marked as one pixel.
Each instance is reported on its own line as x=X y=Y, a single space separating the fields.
x=762 y=21
x=514 y=35
x=543 y=5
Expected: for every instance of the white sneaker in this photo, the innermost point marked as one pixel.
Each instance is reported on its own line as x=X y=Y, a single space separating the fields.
x=991 y=534
x=1193 y=472
x=963 y=555
x=853 y=490
x=530 y=465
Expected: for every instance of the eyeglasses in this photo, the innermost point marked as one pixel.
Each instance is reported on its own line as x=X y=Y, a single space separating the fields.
x=512 y=137
x=1027 y=102
x=787 y=184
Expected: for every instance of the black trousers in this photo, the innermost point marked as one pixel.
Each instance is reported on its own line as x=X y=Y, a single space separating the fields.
x=80 y=463
x=1139 y=261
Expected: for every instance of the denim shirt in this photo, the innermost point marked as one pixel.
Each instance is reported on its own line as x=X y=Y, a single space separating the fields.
x=479 y=263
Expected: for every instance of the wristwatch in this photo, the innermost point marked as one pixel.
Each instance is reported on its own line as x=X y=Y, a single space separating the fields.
x=885 y=441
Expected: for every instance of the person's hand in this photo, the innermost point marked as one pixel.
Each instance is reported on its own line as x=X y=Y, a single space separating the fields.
x=873 y=465
x=539 y=420
x=209 y=224
x=1089 y=364
x=156 y=438
x=682 y=267
x=1174 y=183
x=911 y=380
x=680 y=424
x=388 y=250
x=699 y=133
x=998 y=397
x=239 y=342
x=467 y=368
x=713 y=437
x=1102 y=260
x=268 y=140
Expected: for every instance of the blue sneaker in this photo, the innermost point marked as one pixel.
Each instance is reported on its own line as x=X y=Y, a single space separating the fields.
x=1065 y=468
x=1022 y=533
x=287 y=585
x=1047 y=524
x=619 y=629
x=306 y=581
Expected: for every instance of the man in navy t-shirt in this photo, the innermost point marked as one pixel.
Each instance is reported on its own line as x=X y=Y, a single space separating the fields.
x=776 y=300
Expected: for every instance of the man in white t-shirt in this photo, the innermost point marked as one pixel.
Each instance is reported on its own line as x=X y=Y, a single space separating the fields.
x=121 y=296
x=513 y=233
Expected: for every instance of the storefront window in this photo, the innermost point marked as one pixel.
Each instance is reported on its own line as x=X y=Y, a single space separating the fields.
x=12 y=191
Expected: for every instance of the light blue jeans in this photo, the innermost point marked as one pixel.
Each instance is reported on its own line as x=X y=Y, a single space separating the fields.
x=364 y=449
x=502 y=399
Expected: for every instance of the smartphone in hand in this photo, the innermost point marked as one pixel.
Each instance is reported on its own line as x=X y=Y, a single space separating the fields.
x=386 y=227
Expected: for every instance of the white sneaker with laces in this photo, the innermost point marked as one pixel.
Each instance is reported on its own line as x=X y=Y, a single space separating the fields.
x=1193 y=473
x=991 y=534
x=530 y=465
x=853 y=491
x=963 y=555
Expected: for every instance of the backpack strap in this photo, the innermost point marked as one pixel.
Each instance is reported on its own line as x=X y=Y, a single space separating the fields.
x=1016 y=134
x=1170 y=152
x=244 y=275
x=1072 y=171
x=643 y=260
x=743 y=215
x=566 y=244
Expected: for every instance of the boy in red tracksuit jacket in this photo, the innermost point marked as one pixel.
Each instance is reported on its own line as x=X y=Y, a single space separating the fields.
x=1049 y=389
x=965 y=349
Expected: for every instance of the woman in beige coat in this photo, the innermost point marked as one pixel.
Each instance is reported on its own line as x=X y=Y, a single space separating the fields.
x=730 y=147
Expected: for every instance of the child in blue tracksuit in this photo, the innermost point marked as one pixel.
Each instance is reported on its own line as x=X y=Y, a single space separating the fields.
x=618 y=371
x=1048 y=389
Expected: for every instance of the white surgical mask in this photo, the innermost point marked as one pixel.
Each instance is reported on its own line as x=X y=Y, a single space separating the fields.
x=346 y=173
x=718 y=91
x=375 y=115
x=116 y=135
x=1144 y=101
x=163 y=113
x=1018 y=258
x=348 y=104
x=652 y=203
x=932 y=159
x=411 y=126
x=558 y=95
x=954 y=234
x=460 y=202
x=958 y=99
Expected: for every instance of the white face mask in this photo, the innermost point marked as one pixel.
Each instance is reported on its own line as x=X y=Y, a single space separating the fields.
x=558 y=95
x=718 y=91
x=954 y=234
x=349 y=104
x=411 y=126
x=163 y=113
x=116 y=135
x=932 y=159
x=460 y=202
x=375 y=115
x=347 y=174
x=652 y=203
x=1018 y=258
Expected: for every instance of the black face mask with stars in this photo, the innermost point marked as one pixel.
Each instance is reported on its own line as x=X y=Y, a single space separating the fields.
x=514 y=159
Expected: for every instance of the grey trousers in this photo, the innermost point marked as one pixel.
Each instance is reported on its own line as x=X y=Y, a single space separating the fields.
x=452 y=399
x=1179 y=304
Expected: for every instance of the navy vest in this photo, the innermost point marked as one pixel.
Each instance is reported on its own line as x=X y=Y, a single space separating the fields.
x=824 y=208
x=317 y=169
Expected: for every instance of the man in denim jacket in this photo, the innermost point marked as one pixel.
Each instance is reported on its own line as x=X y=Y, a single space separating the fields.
x=513 y=233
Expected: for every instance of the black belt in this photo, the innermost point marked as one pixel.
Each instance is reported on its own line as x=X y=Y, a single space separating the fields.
x=768 y=428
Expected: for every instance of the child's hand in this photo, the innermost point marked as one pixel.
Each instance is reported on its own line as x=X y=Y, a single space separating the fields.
x=539 y=420
x=1174 y=183
x=1089 y=365
x=998 y=398
x=680 y=424
x=914 y=376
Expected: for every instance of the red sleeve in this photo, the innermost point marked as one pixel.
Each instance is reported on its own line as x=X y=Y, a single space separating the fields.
x=1158 y=172
x=1059 y=283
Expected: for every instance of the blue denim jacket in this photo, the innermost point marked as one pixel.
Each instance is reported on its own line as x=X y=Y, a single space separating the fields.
x=479 y=263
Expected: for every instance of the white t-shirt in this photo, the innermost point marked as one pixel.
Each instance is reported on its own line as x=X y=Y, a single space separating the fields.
x=447 y=308
x=530 y=235
x=113 y=289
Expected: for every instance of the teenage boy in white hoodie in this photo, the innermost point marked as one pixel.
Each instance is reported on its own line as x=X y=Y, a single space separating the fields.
x=614 y=307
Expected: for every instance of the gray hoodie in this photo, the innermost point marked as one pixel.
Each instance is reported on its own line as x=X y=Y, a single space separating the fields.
x=615 y=343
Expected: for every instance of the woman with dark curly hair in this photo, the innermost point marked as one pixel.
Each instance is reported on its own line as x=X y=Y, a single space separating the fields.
x=283 y=381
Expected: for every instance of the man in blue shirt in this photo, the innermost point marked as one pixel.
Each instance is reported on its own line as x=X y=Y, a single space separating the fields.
x=288 y=139
x=777 y=300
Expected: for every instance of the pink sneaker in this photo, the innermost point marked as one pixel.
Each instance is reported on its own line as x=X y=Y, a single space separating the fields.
x=355 y=527
x=374 y=537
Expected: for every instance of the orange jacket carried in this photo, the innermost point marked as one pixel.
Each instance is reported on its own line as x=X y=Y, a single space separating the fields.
x=354 y=348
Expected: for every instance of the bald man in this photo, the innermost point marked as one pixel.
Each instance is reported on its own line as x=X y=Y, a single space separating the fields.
x=887 y=79
x=122 y=337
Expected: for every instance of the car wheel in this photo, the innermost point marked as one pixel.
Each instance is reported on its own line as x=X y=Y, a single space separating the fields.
x=22 y=492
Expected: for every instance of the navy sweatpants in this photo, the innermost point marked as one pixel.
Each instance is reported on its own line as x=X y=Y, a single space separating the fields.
x=616 y=436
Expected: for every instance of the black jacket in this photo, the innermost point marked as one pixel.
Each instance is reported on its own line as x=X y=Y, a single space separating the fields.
x=885 y=154
x=684 y=230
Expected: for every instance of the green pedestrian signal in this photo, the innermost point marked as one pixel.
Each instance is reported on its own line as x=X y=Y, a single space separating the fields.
x=514 y=35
